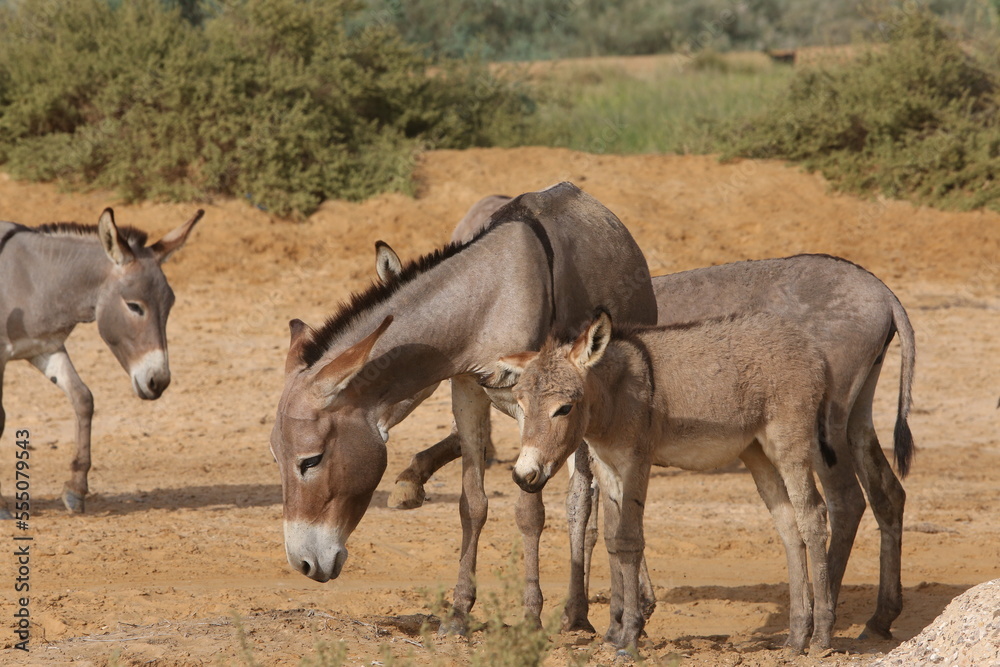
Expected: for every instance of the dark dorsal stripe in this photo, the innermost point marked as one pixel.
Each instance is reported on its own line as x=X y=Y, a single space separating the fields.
x=135 y=238
x=377 y=293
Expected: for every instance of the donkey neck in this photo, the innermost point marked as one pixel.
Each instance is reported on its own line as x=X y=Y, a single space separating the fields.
x=619 y=392
x=66 y=273
x=457 y=317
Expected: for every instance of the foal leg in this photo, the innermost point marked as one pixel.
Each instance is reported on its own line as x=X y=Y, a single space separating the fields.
x=887 y=499
x=791 y=454
x=59 y=369
x=471 y=407
x=580 y=509
x=772 y=490
x=530 y=514
x=625 y=541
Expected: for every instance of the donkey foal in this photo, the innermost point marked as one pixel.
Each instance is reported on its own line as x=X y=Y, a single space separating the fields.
x=693 y=396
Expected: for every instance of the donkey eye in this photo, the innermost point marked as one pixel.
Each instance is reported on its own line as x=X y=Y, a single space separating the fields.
x=135 y=308
x=310 y=462
x=563 y=411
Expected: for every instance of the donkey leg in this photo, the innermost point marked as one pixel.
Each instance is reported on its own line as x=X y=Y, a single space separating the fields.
x=530 y=514
x=772 y=491
x=58 y=368
x=408 y=493
x=845 y=502
x=792 y=456
x=580 y=509
x=471 y=408
x=628 y=544
x=887 y=499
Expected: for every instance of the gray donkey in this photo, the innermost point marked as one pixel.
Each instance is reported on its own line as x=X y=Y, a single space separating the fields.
x=695 y=396
x=547 y=260
x=851 y=315
x=58 y=275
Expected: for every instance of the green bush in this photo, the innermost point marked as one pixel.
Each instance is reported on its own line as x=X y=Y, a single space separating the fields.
x=919 y=118
x=271 y=100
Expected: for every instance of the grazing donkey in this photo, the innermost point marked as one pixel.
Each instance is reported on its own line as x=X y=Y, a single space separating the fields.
x=852 y=316
x=547 y=260
x=694 y=396
x=58 y=275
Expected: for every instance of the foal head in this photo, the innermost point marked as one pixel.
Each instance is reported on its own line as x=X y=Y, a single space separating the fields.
x=134 y=303
x=553 y=405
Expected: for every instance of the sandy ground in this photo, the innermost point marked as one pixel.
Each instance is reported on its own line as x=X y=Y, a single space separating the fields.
x=179 y=559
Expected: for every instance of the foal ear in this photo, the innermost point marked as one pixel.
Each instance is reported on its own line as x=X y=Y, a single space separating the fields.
x=510 y=368
x=589 y=347
x=336 y=375
x=114 y=245
x=173 y=241
x=387 y=264
x=301 y=333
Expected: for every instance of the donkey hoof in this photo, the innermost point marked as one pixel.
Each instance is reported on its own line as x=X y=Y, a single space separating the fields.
x=453 y=626
x=73 y=501
x=578 y=625
x=874 y=632
x=406 y=496
x=5 y=514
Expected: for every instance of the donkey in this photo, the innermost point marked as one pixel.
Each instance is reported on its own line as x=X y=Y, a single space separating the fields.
x=694 y=396
x=58 y=275
x=852 y=316
x=545 y=262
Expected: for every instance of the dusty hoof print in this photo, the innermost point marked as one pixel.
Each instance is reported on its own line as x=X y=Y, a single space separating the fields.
x=74 y=503
x=406 y=496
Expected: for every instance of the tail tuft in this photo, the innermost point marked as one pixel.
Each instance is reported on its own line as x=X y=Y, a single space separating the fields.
x=903 y=446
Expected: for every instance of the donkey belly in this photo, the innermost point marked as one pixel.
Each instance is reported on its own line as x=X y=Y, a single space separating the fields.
x=701 y=450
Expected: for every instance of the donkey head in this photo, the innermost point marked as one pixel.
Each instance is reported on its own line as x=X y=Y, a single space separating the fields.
x=330 y=452
x=553 y=405
x=134 y=303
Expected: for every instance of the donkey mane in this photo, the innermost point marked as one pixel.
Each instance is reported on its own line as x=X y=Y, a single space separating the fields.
x=135 y=238
x=360 y=302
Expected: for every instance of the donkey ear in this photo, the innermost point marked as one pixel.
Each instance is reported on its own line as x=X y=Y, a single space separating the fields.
x=387 y=264
x=589 y=347
x=301 y=333
x=510 y=368
x=173 y=241
x=114 y=245
x=336 y=375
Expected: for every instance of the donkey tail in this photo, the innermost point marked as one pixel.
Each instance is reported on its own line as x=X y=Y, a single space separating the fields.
x=902 y=438
x=823 y=417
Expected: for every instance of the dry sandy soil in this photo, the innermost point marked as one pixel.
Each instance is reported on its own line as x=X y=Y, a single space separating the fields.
x=181 y=545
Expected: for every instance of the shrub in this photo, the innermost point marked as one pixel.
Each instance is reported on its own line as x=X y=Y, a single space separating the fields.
x=918 y=119
x=268 y=99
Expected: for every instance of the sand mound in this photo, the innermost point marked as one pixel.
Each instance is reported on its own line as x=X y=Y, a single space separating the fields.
x=966 y=633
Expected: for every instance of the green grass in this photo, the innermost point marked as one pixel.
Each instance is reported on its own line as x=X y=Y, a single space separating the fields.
x=677 y=108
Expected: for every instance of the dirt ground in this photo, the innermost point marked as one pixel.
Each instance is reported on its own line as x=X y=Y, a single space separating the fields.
x=179 y=558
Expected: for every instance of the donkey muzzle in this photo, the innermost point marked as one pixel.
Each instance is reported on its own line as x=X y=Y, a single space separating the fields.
x=529 y=473
x=150 y=375
x=314 y=551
